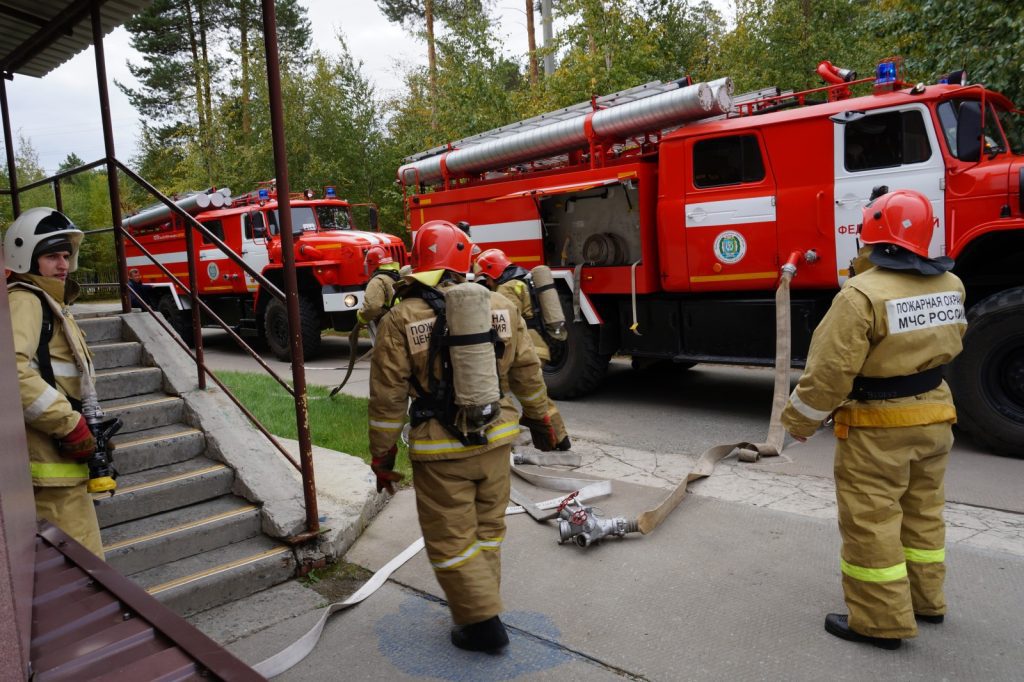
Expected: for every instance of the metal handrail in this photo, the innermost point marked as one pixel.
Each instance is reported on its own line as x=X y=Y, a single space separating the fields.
x=203 y=371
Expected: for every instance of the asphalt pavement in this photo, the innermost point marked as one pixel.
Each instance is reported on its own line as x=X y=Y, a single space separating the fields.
x=734 y=585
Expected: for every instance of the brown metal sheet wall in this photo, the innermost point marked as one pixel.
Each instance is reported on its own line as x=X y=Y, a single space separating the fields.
x=17 y=510
x=90 y=622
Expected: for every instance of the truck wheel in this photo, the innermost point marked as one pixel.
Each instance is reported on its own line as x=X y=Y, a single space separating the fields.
x=275 y=324
x=988 y=377
x=180 y=320
x=576 y=367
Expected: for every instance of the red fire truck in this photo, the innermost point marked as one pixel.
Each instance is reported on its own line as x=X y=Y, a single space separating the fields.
x=328 y=259
x=665 y=212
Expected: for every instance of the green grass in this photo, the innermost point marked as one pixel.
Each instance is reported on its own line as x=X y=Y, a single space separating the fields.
x=337 y=423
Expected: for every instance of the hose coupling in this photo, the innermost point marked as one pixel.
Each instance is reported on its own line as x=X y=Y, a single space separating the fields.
x=584 y=525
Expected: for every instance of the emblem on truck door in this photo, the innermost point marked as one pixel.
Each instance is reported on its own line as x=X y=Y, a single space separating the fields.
x=730 y=247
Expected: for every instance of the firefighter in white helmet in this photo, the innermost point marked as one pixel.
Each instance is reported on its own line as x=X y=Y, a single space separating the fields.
x=494 y=269
x=380 y=290
x=462 y=480
x=875 y=365
x=41 y=249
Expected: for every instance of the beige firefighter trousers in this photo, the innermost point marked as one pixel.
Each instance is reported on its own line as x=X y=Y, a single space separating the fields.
x=890 y=495
x=70 y=508
x=461 y=505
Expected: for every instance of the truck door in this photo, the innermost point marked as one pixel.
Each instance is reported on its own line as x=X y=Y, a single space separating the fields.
x=896 y=148
x=730 y=215
x=254 y=245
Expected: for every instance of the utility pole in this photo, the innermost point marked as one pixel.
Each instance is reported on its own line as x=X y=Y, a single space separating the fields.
x=549 y=55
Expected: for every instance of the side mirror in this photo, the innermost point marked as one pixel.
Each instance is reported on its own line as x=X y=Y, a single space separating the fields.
x=372 y=211
x=968 y=132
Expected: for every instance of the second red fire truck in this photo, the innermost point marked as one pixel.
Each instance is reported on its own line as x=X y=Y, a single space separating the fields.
x=329 y=254
x=666 y=211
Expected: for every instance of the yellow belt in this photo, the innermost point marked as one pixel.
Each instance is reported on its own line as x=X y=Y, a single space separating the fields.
x=892 y=416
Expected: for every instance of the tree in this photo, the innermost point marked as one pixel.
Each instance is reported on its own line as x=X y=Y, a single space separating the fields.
x=418 y=17
x=780 y=42
x=938 y=36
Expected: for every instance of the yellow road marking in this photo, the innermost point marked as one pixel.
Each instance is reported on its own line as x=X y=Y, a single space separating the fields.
x=185 y=526
x=157 y=589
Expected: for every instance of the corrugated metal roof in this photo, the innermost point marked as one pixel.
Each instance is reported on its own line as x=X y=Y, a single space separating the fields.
x=37 y=36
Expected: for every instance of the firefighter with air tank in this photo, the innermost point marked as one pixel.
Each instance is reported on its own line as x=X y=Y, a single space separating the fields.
x=536 y=300
x=456 y=350
x=875 y=366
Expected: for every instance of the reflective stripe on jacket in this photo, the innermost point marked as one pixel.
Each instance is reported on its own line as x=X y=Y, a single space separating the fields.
x=882 y=323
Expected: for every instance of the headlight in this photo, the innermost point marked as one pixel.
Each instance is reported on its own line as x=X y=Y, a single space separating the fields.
x=351 y=300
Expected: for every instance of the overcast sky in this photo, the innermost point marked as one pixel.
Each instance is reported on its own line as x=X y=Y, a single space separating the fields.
x=60 y=112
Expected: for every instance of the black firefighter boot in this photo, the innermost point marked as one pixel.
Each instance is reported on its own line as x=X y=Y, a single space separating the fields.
x=838 y=625
x=488 y=635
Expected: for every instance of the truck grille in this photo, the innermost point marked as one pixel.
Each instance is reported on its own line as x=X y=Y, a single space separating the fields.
x=398 y=254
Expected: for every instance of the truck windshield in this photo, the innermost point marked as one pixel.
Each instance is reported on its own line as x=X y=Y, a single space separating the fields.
x=302 y=220
x=949 y=114
x=333 y=218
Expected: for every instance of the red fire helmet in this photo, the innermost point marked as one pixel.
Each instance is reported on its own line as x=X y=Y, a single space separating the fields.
x=439 y=245
x=491 y=263
x=902 y=217
x=375 y=257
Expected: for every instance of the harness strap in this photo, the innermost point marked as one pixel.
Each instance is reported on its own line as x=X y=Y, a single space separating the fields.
x=43 y=353
x=885 y=388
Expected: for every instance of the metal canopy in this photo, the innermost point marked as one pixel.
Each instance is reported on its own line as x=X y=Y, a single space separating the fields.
x=37 y=36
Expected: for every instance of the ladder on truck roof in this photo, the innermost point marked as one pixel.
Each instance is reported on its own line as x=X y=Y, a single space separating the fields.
x=605 y=101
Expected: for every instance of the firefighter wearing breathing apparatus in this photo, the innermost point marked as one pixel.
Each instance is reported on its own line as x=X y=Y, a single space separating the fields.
x=456 y=350
x=536 y=300
x=380 y=290
x=41 y=249
x=875 y=365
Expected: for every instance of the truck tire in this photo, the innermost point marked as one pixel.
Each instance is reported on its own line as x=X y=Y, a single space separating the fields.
x=988 y=376
x=275 y=325
x=180 y=320
x=576 y=367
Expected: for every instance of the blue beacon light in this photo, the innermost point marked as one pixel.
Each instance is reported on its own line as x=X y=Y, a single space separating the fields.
x=330 y=193
x=885 y=73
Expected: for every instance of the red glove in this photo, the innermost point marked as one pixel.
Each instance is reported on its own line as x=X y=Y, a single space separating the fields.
x=78 y=445
x=542 y=431
x=383 y=468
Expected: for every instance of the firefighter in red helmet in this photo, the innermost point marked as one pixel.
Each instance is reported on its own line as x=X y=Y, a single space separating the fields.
x=380 y=290
x=875 y=366
x=462 y=475
x=494 y=269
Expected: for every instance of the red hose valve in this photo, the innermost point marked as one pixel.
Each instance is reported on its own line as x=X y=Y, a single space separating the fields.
x=791 y=262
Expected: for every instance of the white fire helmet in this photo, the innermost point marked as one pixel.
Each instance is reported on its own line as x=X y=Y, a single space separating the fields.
x=36 y=232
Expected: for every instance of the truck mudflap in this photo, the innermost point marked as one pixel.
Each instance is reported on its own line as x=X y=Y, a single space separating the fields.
x=337 y=300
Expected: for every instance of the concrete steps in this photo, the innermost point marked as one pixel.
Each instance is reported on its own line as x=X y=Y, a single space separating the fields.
x=206 y=580
x=173 y=525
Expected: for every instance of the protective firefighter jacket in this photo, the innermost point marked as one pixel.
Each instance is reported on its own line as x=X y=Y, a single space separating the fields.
x=882 y=323
x=518 y=291
x=379 y=292
x=402 y=350
x=48 y=413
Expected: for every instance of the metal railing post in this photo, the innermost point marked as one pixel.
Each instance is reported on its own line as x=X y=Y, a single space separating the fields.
x=288 y=257
x=193 y=286
x=12 y=170
x=108 y=146
x=58 y=200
